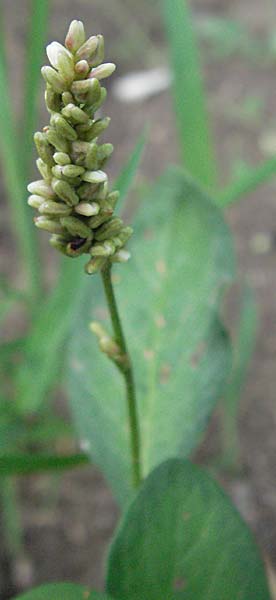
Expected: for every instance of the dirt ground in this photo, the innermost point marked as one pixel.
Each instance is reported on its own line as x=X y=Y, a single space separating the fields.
x=68 y=523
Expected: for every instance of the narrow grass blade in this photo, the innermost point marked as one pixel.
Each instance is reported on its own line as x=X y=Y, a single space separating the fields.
x=13 y=531
x=11 y=157
x=243 y=349
x=247 y=183
x=24 y=464
x=190 y=107
x=35 y=49
x=127 y=175
x=44 y=349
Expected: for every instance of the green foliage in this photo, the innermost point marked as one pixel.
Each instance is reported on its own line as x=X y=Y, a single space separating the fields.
x=62 y=591
x=169 y=298
x=181 y=538
x=129 y=171
x=24 y=464
x=44 y=346
x=250 y=180
x=14 y=183
x=244 y=345
x=35 y=52
x=189 y=100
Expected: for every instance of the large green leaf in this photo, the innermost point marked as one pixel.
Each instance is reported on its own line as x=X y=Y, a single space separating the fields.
x=62 y=591
x=182 y=539
x=169 y=297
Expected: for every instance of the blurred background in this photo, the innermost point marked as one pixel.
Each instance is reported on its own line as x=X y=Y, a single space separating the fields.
x=65 y=521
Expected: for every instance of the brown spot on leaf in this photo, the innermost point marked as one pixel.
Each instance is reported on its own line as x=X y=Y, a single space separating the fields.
x=165 y=372
x=160 y=321
x=149 y=354
x=179 y=584
x=196 y=357
x=100 y=313
x=76 y=365
x=116 y=278
x=149 y=234
x=161 y=267
x=186 y=516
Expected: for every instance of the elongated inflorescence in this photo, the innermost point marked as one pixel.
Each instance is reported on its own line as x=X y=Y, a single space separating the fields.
x=73 y=198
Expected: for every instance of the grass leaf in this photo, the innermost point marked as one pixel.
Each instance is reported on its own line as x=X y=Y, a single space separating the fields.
x=128 y=172
x=24 y=464
x=243 y=348
x=11 y=158
x=35 y=50
x=190 y=105
x=248 y=182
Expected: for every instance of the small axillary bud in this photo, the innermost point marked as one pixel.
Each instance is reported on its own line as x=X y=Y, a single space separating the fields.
x=108 y=345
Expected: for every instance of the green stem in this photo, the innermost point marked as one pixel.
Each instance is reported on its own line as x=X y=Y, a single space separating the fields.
x=127 y=373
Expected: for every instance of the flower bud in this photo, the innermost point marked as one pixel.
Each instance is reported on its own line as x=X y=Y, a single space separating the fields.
x=41 y=188
x=106 y=231
x=72 y=171
x=87 y=91
x=98 y=220
x=67 y=98
x=58 y=243
x=77 y=247
x=87 y=209
x=75 y=36
x=121 y=256
x=60 y=143
x=99 y=54
x=63 y=128
x=105 y=249
x=91 y=158
x=52 y=99
x=76 y=227
x=44 y=170
x=88 y=49
x=61 y=158
x=61 y=60
x=56 y=209
x=48 y=224
x=105 y=151
x=54 y=79
x=95 y=264
x=94 y=176
x=35 y=201
x=103 y=71
x=97 y=128
x=43 y=148
x=125 y=234
x=65 y=192
x=82 y=69
x=113 y=198
x=70 y=111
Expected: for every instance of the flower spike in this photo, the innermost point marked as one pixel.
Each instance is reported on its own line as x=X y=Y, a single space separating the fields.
x=73 y=199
